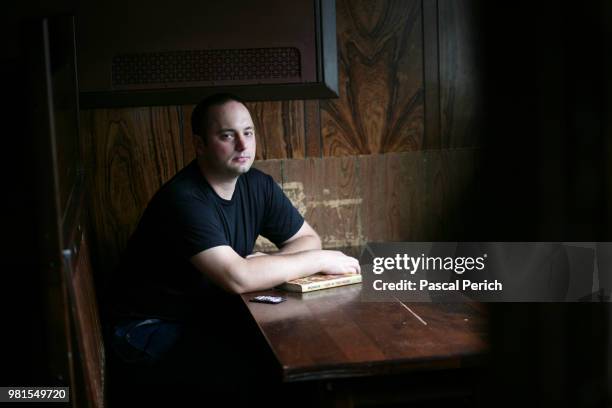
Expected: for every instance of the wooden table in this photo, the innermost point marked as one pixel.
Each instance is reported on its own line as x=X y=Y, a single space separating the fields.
x=331 y=335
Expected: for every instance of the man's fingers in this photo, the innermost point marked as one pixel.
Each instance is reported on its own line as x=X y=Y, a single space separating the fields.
x=355 y=265
x=340 y=263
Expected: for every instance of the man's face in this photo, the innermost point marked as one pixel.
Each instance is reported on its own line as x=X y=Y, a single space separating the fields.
x=230 y=140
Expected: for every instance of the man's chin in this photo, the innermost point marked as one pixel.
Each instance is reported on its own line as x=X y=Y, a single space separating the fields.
x=240 y=169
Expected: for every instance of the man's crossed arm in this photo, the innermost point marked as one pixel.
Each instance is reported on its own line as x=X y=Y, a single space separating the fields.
x=299 y=256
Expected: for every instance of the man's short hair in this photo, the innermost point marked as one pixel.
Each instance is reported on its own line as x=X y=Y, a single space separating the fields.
x=199 y=116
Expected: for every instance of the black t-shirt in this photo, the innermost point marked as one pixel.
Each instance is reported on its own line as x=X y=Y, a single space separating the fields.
x=186 y=216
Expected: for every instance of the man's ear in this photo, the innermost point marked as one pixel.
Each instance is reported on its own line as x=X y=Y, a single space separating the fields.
x=198 y=145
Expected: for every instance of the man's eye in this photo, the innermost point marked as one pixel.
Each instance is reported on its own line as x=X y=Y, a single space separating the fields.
x=227 y=135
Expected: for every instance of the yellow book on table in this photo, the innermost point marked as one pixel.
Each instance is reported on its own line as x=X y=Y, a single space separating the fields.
x=320 y=281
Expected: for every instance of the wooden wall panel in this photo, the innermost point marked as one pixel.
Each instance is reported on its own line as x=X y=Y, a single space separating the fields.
x=450 y=181
x=271 y=167
x=87 y=323
x=408 y=196
x=131 y=153
x=326 y=193
x=186 y=133
x=394 y=196
x=274 y=169
x=431 y=73
x=380 y=106
x=460 y=73
x=312 y=128
x=280 y=128
x=438 y=197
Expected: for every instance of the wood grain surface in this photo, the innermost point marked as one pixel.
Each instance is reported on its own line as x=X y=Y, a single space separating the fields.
x=431 y=74
x=129 y=153
x=280 y=129
x=89 y=330
x=331 y=334
x=326 y=192
x=395 y=205
x=380 y=64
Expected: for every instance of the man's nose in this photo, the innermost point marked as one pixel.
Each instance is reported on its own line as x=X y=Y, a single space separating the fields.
x=240 y=142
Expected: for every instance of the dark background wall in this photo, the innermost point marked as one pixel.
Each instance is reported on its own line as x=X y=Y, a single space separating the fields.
x=547 y=120
x=547 y=155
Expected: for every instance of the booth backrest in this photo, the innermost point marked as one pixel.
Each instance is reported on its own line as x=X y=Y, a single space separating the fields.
x=89 y=364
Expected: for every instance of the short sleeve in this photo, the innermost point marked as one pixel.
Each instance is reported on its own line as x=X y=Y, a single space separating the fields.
x=281 y=219
x=192 y=227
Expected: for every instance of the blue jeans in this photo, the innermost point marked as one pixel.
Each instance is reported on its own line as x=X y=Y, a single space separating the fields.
x=144 y=341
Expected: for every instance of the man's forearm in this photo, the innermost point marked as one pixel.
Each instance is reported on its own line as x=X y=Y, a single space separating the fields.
x=263 y=272
x=304 y=243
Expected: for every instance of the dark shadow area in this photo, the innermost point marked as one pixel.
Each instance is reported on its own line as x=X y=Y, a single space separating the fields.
x=544 y=134
x=545 y=177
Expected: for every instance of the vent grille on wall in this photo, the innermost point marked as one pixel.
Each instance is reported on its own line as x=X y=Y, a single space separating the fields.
x=144 y=53
x=206 y=66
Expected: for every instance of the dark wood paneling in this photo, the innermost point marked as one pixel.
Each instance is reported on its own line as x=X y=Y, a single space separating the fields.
x=449 y=184
x=431 y=74
x=271 y=167
x=326 y=192
x=280 y=129
x=460 y=73
x=380 y=108
x=395 y=204
x=437 y=184
x=38 y=331
x=274 y=169
x=57 y=348
x=131 y=153
x=312 y=128
x=408 y=196
x=186 y=134
x=87 y=323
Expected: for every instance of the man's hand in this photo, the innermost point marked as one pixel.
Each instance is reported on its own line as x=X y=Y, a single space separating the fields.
x=335 y=262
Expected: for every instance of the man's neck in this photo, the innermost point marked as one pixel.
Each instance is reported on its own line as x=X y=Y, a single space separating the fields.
x=223 y=185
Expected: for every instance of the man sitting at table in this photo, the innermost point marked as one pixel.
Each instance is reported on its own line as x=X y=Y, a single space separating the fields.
x=198 y=232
